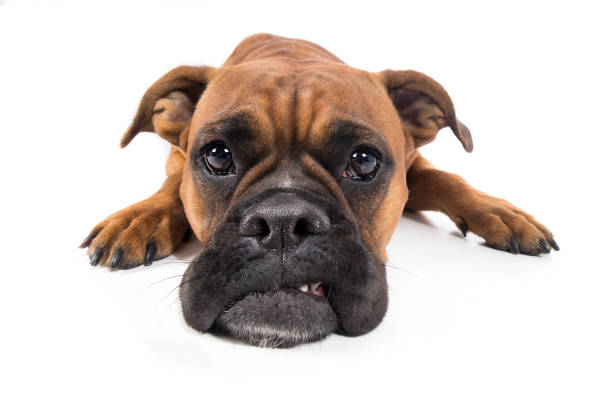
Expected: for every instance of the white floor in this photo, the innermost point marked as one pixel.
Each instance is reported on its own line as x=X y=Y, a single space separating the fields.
x=466 y=326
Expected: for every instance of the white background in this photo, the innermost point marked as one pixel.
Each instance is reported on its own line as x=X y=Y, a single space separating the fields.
x=466 y=326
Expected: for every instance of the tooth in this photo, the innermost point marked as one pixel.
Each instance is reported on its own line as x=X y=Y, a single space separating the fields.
x=312 y=288
x=304 y=288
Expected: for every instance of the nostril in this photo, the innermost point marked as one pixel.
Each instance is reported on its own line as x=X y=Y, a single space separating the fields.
x=263 y=228
x=316 y=224
x=254 y=227
x=302 y=228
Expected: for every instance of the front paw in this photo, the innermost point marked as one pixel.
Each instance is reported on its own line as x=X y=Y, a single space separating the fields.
x=504 y=226
x=140 y=234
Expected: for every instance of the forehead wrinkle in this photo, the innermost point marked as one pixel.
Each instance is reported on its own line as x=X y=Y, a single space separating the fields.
x=282 y=111
x=271 y=88
x=306 y=111
x=228 y=124
x=339 y=127
x=244 y=124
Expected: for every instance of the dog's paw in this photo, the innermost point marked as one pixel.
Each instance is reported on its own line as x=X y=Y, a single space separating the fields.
x=140 y=234
x=504 y=226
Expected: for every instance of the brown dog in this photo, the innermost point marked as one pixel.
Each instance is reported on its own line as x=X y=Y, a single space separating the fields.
x=293 y=170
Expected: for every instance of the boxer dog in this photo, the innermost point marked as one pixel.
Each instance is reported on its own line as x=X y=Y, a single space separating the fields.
x=293 y=169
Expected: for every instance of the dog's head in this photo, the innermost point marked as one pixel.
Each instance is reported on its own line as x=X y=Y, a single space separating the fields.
x=295 y=177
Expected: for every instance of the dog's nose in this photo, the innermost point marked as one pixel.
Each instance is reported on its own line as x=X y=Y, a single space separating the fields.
x=283 y=221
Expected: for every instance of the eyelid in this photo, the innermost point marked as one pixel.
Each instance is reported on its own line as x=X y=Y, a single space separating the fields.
x=368 y=148
x=214 y=142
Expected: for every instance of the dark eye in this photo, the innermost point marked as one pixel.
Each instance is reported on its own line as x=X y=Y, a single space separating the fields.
x=218 y=159
x=362 y=165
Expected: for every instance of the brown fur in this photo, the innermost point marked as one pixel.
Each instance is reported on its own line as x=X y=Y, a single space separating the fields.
x=292 y=89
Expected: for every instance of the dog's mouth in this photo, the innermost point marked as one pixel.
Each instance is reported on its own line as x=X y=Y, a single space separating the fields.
x=280 y=318
x=314 y=288
x=329 y=283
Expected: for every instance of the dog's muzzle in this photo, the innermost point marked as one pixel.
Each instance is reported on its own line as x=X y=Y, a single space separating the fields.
x=283 y=269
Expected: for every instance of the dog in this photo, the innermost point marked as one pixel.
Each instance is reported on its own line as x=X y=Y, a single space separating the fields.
x=293 y=170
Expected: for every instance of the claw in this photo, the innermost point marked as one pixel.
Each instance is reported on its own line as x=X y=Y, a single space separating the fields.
x=462 y=225
x=150 y=254
x=88 y=239
x=116 y=258
x=544 y=246
x=513 y=246
x=97 y=255
x=554 y=244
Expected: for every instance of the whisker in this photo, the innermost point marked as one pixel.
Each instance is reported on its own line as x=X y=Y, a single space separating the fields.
x=175 y=288
x=174 y=262
x=176 y=316
x=153 y=284
x=166 y=296
x=170 y=306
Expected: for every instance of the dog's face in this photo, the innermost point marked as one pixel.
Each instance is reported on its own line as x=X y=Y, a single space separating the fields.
x=295 y=178
x=288 y=186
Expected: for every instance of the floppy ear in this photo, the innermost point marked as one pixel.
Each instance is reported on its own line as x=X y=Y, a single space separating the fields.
x=423 y=106
x=167 y=106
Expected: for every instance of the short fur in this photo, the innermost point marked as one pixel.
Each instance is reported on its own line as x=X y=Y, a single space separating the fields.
x=292 y=114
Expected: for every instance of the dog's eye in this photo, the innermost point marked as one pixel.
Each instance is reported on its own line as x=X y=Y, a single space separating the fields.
x=218 y=159
x=363 y=165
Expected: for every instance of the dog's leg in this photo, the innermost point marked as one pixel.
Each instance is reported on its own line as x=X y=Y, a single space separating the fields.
x=146 y=231
x=502 y=225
